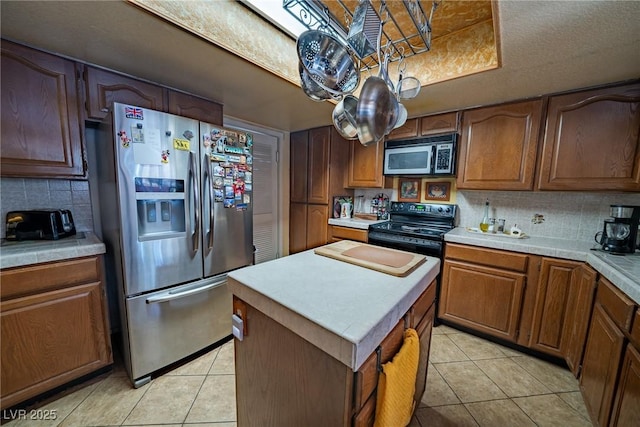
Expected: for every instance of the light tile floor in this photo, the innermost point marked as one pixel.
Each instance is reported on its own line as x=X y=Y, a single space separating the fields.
x=471 y=382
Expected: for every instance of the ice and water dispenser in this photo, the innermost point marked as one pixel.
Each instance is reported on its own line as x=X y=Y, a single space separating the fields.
x=161 y=207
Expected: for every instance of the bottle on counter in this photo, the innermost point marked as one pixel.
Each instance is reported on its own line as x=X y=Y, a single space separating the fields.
x=484 y=224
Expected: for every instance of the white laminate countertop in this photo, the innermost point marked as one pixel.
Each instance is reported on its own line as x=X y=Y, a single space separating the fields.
x=622 y=270
x=27 y=252
x=341 y=308
x=362 y=224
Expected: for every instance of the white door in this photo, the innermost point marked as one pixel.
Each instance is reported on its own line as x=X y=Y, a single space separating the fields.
x=265 y=189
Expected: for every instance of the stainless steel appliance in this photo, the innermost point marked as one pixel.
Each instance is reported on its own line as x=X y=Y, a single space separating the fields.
x=415 y=227
x=52 y=224
x=434 y=155
x=620 y=232
x=176 y=210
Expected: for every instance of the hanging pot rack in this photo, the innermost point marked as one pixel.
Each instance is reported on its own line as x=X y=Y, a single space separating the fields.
x=406 y=30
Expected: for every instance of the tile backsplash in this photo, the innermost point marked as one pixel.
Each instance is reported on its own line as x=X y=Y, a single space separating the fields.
x=564 y=215
x=36 y=193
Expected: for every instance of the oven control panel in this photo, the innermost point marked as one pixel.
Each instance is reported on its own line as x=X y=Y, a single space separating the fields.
x=424 y=209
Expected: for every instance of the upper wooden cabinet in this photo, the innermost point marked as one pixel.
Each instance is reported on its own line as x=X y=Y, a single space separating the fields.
x=498 y=147
x=41 y=127
x=299 y=155
x=318 y=165
x=440 y=123
x=365 y=166
x=434 y=124
x=185 y=105
x=105 y=87
x=591 y=141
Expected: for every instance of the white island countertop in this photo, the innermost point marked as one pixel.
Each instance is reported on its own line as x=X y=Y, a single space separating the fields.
x=28 y=252
x=341 y=308
x=622 y=270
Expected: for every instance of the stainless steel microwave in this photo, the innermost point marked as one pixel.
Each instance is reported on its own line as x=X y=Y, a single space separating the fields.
x=434 y=155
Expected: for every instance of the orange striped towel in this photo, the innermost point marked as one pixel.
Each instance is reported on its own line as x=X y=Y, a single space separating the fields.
x=397 y=384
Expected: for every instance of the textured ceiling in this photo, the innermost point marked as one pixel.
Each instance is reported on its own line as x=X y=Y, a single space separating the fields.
x=544 y=47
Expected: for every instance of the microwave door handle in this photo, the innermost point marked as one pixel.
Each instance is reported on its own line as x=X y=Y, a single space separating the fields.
x=195 y=236
x=208 y=175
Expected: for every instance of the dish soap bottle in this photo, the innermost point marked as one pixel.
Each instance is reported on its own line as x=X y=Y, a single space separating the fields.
x=484 y=225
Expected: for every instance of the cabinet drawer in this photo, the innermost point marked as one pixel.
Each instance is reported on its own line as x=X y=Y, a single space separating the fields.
x=366 y=416
x=616 y=304
x=489 y=257
x=367 y=376
x=347 y=233
x=421 y=306
x=21 y=281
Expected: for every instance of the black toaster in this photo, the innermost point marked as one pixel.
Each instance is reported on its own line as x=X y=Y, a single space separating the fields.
x=40 y=225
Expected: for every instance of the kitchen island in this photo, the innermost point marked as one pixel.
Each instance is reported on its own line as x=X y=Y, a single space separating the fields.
x=312 y=326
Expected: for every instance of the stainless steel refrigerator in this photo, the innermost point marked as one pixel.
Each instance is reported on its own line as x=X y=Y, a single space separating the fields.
x=176 y=213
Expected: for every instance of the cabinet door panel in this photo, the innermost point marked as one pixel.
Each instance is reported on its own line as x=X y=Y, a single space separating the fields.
x=482 y=298
x=41 y=130
x=591 y=141
x=298 y=168
x=297 y=227
x=104 y=88
x=55 y=337
x=365 y=166
x=409 y=129
x=552 y=305
x=185 y=105
x=581 y=296
x=440 y=123
x=318 y=166
x=424 y=333
x=600 y=365
x=317 y=226
x=626 y=409
x=498 y=147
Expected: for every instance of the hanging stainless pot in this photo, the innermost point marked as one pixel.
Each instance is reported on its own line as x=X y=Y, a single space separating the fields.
x=344 y=117
x=332 y=66
x=402 y=116
x=376 y=108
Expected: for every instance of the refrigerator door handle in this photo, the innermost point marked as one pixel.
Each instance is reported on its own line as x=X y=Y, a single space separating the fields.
x=173 y=295
x=207 y=179
x=195 y=237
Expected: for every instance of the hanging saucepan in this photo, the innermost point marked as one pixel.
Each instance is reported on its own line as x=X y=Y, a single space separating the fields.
x=402 y=116
x=376 y=108
x=344 y=117
x=328 y=62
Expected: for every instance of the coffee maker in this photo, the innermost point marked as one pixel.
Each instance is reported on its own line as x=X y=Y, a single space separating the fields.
x=620 y=232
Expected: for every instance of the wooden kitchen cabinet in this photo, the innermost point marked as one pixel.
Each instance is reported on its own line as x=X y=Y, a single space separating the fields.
x=337 y=233
x=553 y=305
x=194 y=107
x=591 y=141
x=317 y=173
x=580 y=304
x=626 y=408
x=610 y=324
x=103 y=88
x=54 y=326
x=434 y=124
x=42 y=134
x=270 y=392
x=366 y=166
x=498 y=147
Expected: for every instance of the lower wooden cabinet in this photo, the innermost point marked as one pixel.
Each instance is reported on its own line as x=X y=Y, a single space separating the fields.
x=54 y=326
x=337 y=233
x=479 y=297
x=580 y=305
x=552 y=305
x=626 y=408
x=296 y=383
x=600 y=365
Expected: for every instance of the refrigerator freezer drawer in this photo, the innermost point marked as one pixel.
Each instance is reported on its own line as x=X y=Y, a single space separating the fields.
x=166 y=326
